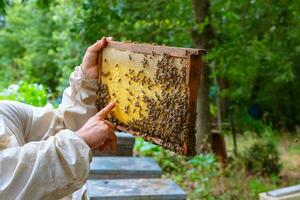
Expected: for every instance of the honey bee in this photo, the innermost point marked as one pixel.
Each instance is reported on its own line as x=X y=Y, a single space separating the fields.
x=126 y=109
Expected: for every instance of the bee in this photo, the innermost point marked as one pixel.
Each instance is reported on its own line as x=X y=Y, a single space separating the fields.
x=105 y=60
x=126 y=109
x=129 y=56
x=119 y=80
x=117 y=65
x=136 y=104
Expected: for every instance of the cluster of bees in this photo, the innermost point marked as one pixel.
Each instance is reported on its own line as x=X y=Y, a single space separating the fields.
x=166 y=115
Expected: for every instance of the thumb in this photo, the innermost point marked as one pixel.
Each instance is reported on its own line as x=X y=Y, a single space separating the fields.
x=100 y=44
x=104 y=112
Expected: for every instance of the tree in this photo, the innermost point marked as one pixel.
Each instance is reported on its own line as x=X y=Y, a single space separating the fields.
x=202 y=40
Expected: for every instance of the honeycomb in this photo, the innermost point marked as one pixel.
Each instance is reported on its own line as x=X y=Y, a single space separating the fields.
x=152 y=88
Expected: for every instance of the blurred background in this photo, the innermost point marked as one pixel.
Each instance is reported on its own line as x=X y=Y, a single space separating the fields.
x=250 y=84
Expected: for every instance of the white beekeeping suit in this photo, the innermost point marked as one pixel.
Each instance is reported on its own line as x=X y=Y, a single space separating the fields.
x=40 y=155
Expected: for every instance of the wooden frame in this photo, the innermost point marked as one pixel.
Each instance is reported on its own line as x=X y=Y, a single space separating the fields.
x=192 y=80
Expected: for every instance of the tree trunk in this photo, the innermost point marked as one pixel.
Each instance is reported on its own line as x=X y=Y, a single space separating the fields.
x=202 y=40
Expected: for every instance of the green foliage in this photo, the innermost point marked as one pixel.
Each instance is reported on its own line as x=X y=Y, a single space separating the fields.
x=256 y=48
x=258 y=186
x=25 y=92
x=2 y=6
x=167 y=162
x=255 y=45
x=197 y=171
x=262 y=158
x=43 y=40
x=201 y=171
x=144 y=21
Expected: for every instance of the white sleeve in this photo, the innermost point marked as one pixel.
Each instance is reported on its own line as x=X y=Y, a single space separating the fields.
x=79 y=100
x=40 y=156
x=47 y=169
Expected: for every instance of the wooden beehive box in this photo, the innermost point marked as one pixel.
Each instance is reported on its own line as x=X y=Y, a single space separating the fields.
x=155 y=88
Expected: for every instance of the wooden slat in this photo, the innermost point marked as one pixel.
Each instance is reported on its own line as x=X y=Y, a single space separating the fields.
x=134 y=189
x=123 y=167
x=149 y=48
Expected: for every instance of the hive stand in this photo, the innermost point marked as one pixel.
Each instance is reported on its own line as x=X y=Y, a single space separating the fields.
x=123 y=167
x=286 y=193
x=121 y=176
x=134 y=189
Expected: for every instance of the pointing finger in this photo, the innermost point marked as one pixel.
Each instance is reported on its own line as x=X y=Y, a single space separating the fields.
x=104 y=112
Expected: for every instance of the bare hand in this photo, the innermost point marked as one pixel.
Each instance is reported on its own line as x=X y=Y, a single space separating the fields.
x=92 y=57
x=98 y=132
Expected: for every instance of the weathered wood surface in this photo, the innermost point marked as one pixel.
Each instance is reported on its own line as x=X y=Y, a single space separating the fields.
x=155 y=88
x=125 y=143
x=149 y=48
x=134 y=189
x=123 y=167
x=286 y=193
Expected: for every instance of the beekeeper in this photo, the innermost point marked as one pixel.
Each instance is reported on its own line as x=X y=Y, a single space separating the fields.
x=45 y=152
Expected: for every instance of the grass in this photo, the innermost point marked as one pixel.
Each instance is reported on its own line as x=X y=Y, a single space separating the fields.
x=205 y=178
x=289 y=150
